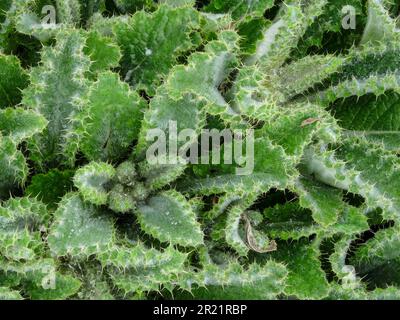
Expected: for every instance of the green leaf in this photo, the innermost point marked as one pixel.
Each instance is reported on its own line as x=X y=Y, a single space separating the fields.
x=306 y=279
x=50 y=187
x=68 y=11
x=113 y=121
x=21 y=220
x=29 y=23
x=232 y=281
x=9 y=294
x=12 y=80
x=378 y=251
x=240 y=8
x=297 y=77
x=40 y=272
x=283 y=35
x=325 y=202
x=138 y=257
x=346 y=273
x=147 y=57
x=389 y=293
x=372 y=70
x=168 y=217
x=79 y=229
x=205 y=72
x=63 y=66
x=131 y=6
x=164 y=112
x=374 y=176
x=14 y=167
x=92 y=180
x=272 y=169
x=140 y=269
x=63 y=286
x=91 y=7
x=380 y=26
x=103 y=52
x=232 y=228
x=299 y=126
x=376 y=118
x=159 y=176
x=296 y=223
x=21 y=124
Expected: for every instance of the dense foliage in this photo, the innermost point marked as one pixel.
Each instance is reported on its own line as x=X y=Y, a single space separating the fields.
x=84 y=215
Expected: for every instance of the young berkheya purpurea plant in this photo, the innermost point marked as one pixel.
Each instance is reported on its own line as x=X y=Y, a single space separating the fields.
x=324 y=172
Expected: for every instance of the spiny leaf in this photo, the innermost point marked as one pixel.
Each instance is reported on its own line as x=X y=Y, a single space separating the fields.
x=20 y=124
x=378 y=251
x=12 y=80
x=297 y=77
x=159 y=176
x=272 y=168
x=168 y=217
x=325 y=202
x=283 y=35
x=9 y=294
x=109 y=137
x=14 y=167
x=306 y=280
x=147 y=57
x=131 y=6
x=92 y=181
x=50 y=187
x=339 y=293
x=91 y=7
x=346 y=273
x=296 y=223
x=380 y=26
x=40 y=272
x=240 y=8
x=21 y=220
x=232 y=281
x=79 y=229
x=299 y=126
x=374 y=177
x=68 y=11
x=63 y=66
x=138 y=257
x=376 y=118
x=205 y=72
x=165 y=114
x=145 y=269
x=234 y=217
x=370 y=70
x=63 y=286
x=103 y=52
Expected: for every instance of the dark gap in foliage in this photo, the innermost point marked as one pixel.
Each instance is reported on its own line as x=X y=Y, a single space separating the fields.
x=111 y=9
x=395 y=10
x=327 y=248
x=226 y=86
x=201 y=3
x=26 y=48
x=214 y=122
x=272 y=198
x=270 y=14
x=144 y=95
x=352 y=199
x=80 y=159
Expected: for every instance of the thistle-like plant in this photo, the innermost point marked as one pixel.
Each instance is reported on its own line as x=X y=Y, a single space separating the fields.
x=84 y=214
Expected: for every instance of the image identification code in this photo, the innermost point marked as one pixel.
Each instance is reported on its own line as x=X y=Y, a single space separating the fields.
x=206 y=309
